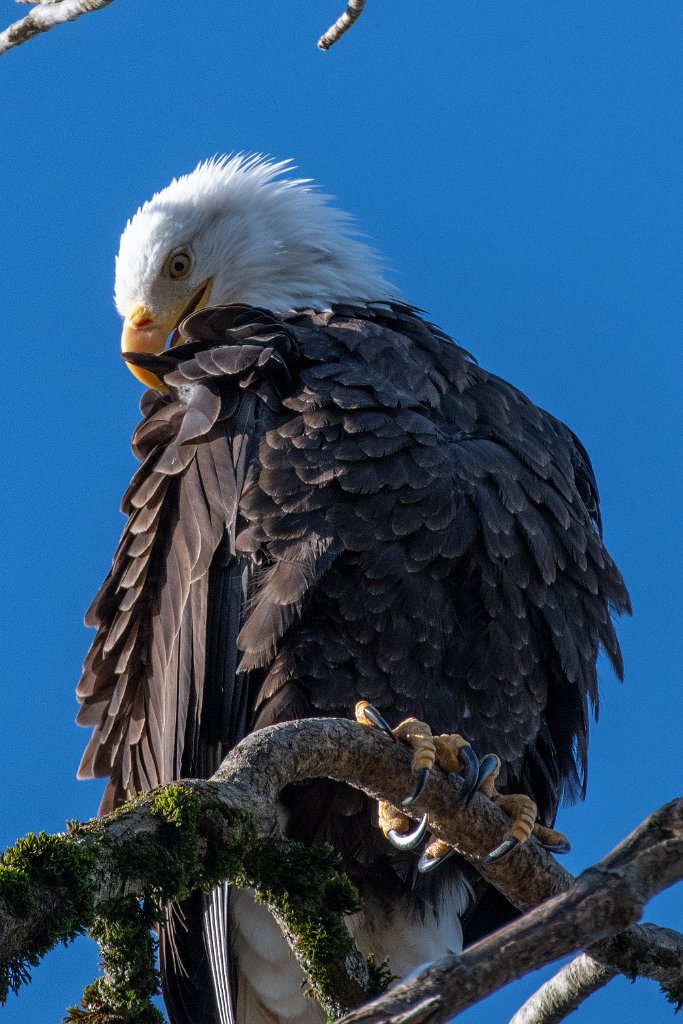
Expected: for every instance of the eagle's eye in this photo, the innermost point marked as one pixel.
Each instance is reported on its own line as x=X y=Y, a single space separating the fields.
x=178 y=264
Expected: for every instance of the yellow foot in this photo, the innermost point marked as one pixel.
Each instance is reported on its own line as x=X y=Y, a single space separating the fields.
x=416 y=734
x=451 y=752
x=454 y=755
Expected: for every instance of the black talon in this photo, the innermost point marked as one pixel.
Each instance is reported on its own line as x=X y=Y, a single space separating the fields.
x=470 y=772
x=500 y=851
x=564 y=847
x=377 y=719
x=427 y=863
x=421 y=776
x=408 y=840
x=488 y=765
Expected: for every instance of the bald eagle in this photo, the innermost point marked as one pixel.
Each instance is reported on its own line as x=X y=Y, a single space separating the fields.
x=335 y=503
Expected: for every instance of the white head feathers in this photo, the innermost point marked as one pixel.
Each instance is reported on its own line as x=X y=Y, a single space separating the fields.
x=264 y=239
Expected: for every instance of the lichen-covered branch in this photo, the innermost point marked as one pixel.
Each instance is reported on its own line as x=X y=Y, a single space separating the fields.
x=565 y=992
x=576 y=981
x=193 y=834
x=48 y=14
x=342 y=24
x=157 y=848
x=45 y=16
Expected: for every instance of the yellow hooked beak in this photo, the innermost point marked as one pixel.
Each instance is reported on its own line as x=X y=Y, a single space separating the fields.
x=142 y=332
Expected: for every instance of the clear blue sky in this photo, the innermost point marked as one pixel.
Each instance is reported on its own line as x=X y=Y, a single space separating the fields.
x=516 y=163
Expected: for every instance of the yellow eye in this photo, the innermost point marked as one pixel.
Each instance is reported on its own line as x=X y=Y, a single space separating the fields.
x=178 y=264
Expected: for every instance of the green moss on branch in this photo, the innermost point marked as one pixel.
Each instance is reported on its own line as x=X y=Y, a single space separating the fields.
x=130 y=978
x=36 y=864
x=309 y=895
x=179 y=839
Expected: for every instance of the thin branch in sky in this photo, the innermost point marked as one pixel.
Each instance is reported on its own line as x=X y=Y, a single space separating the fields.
x=342 y=24
x=565 y=991
x=45 y=15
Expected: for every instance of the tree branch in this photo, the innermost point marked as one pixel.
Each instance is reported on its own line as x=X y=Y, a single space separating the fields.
x=48 y=14
x=370 y=761
x=576 y=981
x=604 y=900
x=342 y=24
x=565 y=992
x=45 y=16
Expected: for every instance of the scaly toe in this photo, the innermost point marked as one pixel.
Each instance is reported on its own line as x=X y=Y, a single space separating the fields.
x=523 y=811
x=455 y=756
x=427 y=864
x=558 y=848
x=418 y=735
x=552 y=840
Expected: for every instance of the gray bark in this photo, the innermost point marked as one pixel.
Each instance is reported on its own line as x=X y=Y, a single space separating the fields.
x=47 y=14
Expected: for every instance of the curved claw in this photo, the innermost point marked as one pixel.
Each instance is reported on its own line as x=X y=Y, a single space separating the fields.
x=558 y=848
x=408 y=840
x=427 y=863
x=378 y=720
x=470 y=772
x=500 y=851
x=421 y=776
x=487 y=765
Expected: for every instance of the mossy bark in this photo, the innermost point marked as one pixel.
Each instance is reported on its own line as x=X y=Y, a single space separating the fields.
x=158 y=848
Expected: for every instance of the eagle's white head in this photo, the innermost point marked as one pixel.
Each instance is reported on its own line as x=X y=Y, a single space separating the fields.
x=236 y=230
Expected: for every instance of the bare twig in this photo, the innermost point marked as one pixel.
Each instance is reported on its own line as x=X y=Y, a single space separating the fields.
x=342 y=24
x=565 y=992
x=47 y=14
